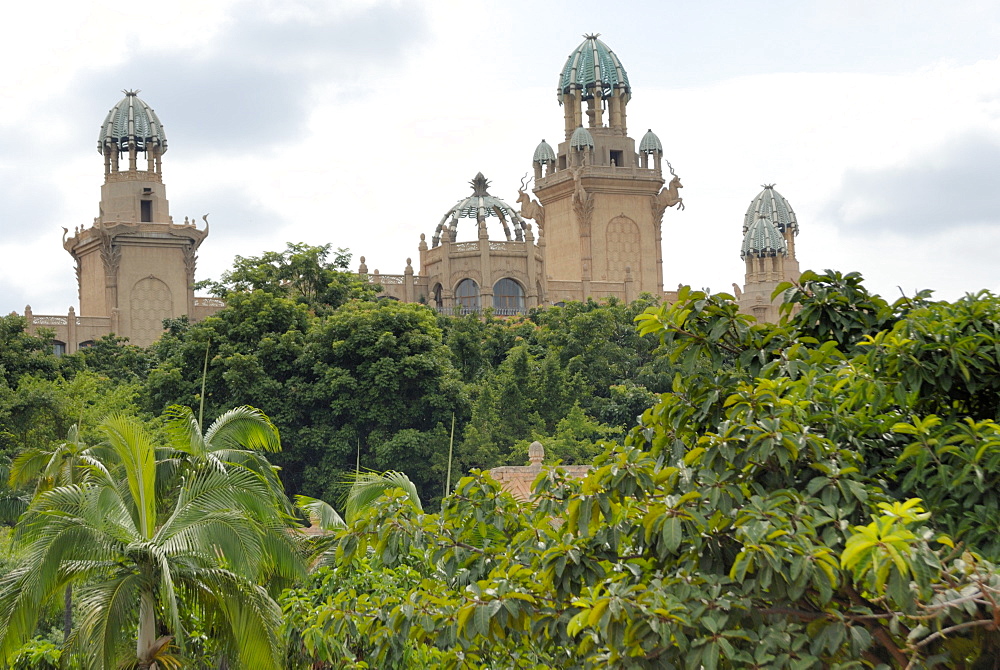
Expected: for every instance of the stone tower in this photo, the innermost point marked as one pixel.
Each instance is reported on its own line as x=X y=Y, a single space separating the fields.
x=135 y=266
x=602 y=201
x=769 y=230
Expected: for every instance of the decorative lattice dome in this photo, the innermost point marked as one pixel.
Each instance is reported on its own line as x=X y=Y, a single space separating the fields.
x=544 y=153
x=132 y=119
x=763 y=239
x=581 y=139
x=773 y=205
x=480 y=206
x=650 y=144
x=590 y=66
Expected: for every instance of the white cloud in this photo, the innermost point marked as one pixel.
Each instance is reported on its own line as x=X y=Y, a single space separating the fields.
x=386 y=124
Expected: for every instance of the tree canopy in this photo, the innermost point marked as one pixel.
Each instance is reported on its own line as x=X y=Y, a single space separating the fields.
x=819 y=493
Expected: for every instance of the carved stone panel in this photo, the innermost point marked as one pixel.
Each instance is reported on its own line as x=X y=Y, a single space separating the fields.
x=624 y=247
x=150 y=303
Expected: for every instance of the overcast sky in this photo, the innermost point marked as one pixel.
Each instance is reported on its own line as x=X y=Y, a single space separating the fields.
x=359 y=123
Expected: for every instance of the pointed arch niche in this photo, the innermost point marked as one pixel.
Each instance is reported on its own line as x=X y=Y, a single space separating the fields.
x=150 y=302
x=624 y=248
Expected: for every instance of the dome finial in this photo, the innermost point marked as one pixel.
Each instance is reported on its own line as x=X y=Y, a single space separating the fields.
x=480 y=185
x=131 y=92
x=591 y=36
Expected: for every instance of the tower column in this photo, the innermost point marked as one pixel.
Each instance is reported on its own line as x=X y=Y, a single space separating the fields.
x=596 y=108
x=569 y=115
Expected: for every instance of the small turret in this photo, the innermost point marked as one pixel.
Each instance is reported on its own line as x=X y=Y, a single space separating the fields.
x=763 y=240
x=544 y=157
x=582 y=145
x=769 y=229
x=650 y=145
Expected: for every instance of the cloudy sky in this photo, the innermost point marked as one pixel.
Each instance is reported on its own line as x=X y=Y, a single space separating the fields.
x=360 y=122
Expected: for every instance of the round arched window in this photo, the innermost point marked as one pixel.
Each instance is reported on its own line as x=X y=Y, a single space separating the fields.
x=467 y=295
x=508 y=297
x=438 y=299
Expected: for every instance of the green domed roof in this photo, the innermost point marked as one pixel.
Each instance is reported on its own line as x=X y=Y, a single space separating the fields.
x=544 y=153
x=593 y=65
x=481 y=205
x=581 y=139
x=773 y=205
x=650 y=143
x=132 y=119
x=763 y=239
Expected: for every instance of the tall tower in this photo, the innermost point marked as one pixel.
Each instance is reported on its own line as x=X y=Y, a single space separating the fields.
x=602 y=201
x=769 y=230
x=134 y=265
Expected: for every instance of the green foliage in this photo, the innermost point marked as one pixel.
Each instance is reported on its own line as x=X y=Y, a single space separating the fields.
x=23 y=354
x=320 y=639
x=301 y=273
x=37 y=654
x=38 y=413
x=144 y=552
x=763 y=514
x=577 y=439
x=380 y=380
x=112 y=357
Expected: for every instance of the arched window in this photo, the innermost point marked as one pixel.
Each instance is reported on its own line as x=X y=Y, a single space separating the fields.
x=467 y=296
x=508 y=297
x=58 y=348
x=438 y=300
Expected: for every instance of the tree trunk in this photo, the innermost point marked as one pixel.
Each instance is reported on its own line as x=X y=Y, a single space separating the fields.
x=147 y=629
x=68 y=613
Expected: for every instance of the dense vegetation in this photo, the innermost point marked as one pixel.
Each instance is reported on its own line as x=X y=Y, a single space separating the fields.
x=819 y=493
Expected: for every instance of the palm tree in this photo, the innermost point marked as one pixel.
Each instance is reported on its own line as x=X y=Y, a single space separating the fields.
x=66 y=463
x=137 y=560
x=237 y=438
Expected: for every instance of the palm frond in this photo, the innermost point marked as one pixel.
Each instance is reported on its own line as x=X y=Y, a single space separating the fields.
x=184 y=431
x=320 y=513
x=367 y=487
x=12 y=506
x=137 y=452
x=27 y=467
x=110 y=607
x=250 y=615
x=243 y=428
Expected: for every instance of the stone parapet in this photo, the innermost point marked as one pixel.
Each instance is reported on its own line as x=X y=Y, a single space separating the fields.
x=518 y=479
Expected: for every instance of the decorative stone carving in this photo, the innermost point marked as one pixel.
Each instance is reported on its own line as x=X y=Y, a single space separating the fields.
x=579 y=193
x=190 y=261
x=111 y=254
x=584 y=209
x=530 y=209
x=79 y=275
x=667 y=197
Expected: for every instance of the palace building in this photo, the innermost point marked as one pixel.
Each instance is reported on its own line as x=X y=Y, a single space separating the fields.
x=590 y=226
x=599 y=214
